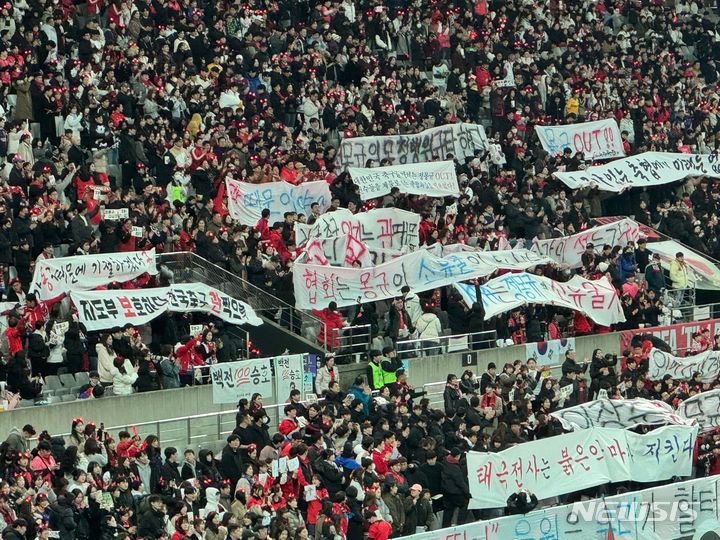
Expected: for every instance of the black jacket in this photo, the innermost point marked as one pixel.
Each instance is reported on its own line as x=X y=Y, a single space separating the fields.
x=231 y=464
x=62 y=519
x=454 y=479
x=151 y=524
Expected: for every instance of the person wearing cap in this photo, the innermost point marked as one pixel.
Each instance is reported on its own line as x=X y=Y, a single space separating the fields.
x=654 y=275
x=588 y=256
x=19 y=441
x=418 y=512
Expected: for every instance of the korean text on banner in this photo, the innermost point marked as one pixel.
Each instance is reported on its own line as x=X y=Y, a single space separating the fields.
x=674 y=511
x=704 y=409
x=247 y=201
x=579 y=460
x=436 y=179
x=597 y=299
x=384 y=228
x=703 y=273
x=115 y=213
x=547 y=353
x=596 y=140
x=662 y=363
x=232 y=381
x=438 y=143
x=57 y=277
x=99 y=310
x=642 y=170
x=623 y=414
x=316 y=285
x=677 y=336
x=569 y=249
x=289 y=375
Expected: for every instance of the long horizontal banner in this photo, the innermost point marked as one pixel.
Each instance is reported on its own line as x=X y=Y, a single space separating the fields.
x=247 y=201
x=99 y=310
x=569 y=249
x=57 y=277
x=596 y=140
x=579 y=460
x=704 y=409
x=434 y=179
x=619 y=413
x=346 y=250
x=707 y=364
x=675 y=511
x=435 y=144
x=385 y=228
x=646 y=169
x=597 y=299
x=316 y=285
x=232 y=381
x=677 y=336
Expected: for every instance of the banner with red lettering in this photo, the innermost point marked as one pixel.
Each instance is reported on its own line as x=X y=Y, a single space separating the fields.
x=595 y=140
x=579 y=460
x=678 y=336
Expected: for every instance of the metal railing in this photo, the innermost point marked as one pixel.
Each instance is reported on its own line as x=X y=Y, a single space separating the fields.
x=446 y=344
x=351 y=340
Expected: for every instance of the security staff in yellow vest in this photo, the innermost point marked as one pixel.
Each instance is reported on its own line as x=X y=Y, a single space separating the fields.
x=375 y=376
x=390 y=364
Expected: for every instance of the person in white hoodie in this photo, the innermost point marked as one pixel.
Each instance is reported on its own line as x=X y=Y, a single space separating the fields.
x=429 y=330
x=212 y=496
x=106 y=357
x=124 y=376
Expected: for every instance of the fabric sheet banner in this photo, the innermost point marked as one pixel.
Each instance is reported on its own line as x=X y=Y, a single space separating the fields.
x=703 y=272
x=677 y=336
x=99 y=310
x=703 y=408
x=547 y=353
x=232 y=381
x=579 y=460
x=675 y=511
x=597 y=299
x=434 y=179
x=289 y=375
x=569 y=249
x=438 y=143
x=316 y=285
x=662 y=363
x=596 y=140
x=385 y=228
x=617 y=413
x=346 y=251
x=247 y=201
x=643 y=170
x=57 y=277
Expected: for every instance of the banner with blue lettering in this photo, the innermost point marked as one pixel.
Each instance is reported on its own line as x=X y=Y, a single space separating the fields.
x=595 y=140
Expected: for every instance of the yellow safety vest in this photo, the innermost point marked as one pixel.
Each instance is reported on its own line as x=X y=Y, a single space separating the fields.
x=377 y=374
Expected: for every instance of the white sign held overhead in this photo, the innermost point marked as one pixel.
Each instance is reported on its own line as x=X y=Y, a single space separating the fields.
x=595 y=140
x=433 y=179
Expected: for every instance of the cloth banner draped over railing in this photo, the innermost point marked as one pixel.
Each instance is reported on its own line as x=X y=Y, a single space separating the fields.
x=661 y=363
x=579 y=460
x=704 y=409
x=597 y=299
x=643 y=170
x=57 y=277
x=100 y=310
x=619 y=413
x=433 y=179
x=596 y=140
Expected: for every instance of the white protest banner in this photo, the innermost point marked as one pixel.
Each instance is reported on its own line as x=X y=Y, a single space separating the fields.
x=386 y=228
x=547 y=353
x=247 y=201
x=569 y=249
x=56 y=277
x=579 y=460
x=662 y=363
x=597 y=299
x=703 y=408
x=288 y=375
x=702 y=271
x=136 y=231
x=566 y=391
x=618 y=413
x=438 y=143
x=61 y=327
x=317 y=285
x=596 y=140
x=509 y=79
x=345 y=251
x=99 y=194
x=195 y=329
x=673 y=511
x=114 y=213
x=436 y=179
x=642 y=170
x=99 y=310
x=232 y=381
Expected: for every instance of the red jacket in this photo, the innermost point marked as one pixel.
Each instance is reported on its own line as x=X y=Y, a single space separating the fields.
x=315 y=506
x=380 y=530
x=287 y=426
x=380 y=457
x=14 y=340
x=188 y=356
x=331 y=320
x=263 y=227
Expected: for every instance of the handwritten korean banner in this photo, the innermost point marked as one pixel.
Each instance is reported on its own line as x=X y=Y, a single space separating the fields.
x=624 y=414
x=674 y=511
x=57 y=277
x=317 y=285
x=597 y=299
x=662 y=363
x=438 y=143
x=385 y=228
x=704 y=408
x=549 y=352
x=346 y=250
x=247 y=201
x=702 y=271
x=99 y=310
x=289 y=375
x=114 y=213
x=434 y=179
x=642 y=170
x=569 y=250
x=596 y=140
x=579 y=460
x=232 y=381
